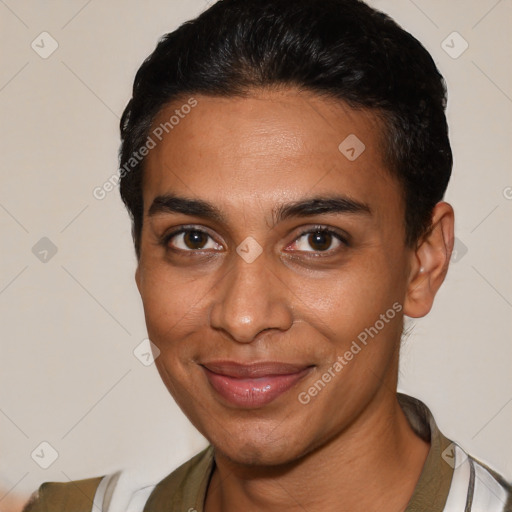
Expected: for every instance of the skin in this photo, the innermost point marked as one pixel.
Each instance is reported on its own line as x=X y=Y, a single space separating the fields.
x=245 y=155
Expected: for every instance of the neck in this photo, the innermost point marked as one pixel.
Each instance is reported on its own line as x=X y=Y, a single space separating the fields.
x=374 y=464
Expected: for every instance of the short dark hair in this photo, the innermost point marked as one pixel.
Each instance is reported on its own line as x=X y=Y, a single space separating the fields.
x=342 y=49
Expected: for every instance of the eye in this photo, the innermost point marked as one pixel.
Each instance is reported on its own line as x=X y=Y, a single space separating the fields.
x=320 y=240
x=191 y=239
x=317 y=240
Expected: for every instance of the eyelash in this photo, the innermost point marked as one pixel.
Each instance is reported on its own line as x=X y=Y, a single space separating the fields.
x=315 y=229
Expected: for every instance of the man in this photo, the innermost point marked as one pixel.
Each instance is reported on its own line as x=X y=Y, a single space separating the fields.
x=284 y=165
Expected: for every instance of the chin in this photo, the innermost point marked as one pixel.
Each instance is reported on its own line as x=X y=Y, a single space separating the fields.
x=263 y=449
x=254 y=455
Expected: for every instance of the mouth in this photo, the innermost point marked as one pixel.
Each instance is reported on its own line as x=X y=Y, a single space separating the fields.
x=253 y=385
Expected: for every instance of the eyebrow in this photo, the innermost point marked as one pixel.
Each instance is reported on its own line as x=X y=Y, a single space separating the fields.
x=318 y=205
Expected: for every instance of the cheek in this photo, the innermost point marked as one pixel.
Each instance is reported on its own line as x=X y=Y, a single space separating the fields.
x=172 y=307
x=359 y=312
x=350 y=300
x=173 y=314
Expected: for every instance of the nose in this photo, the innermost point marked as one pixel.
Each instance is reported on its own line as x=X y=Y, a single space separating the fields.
x=250 y=299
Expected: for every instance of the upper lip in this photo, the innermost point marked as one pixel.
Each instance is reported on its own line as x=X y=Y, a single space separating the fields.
x=253 y=370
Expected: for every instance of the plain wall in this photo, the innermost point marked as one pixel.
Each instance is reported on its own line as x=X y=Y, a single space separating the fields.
x=68 y=375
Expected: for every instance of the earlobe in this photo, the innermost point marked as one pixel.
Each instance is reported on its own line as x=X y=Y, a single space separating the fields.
x=430 y=262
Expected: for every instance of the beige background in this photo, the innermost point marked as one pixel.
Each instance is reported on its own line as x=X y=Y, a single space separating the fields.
x=69 y=326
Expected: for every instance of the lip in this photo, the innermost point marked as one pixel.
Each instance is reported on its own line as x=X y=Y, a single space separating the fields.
x=253 y=385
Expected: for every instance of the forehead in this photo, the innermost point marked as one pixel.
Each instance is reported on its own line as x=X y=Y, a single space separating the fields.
x=268 y=147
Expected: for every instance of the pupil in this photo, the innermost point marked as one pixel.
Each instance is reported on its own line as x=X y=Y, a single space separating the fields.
x=194 y=238
x=320 y=239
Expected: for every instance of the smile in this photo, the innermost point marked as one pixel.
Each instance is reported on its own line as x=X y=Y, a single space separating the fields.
x=255 y=385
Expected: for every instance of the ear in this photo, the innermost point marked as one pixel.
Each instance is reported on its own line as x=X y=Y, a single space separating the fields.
x=430 y=262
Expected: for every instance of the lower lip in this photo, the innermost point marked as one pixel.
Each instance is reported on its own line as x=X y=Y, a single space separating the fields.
x=255 y=392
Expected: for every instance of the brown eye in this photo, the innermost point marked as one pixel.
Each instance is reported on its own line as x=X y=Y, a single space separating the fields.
x=319 y=240
x=191 y=240
x=195 y=239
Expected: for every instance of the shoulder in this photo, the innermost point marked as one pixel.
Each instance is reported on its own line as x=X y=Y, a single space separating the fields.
x=487 y=486
x=478 y=486
x=128 y=490
x=137 y=490
x=76 y=496
x=452 y=480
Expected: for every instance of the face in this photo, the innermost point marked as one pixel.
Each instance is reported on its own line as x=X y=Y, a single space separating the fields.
x=267 y=255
